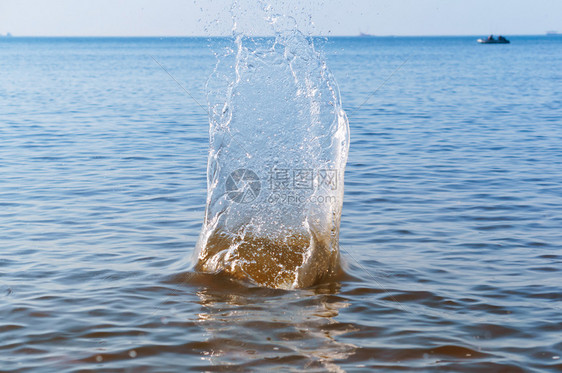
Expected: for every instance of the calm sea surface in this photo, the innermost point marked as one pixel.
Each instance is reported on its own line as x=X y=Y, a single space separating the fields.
x=451 y=231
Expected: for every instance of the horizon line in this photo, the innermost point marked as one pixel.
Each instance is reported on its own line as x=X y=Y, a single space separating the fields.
x=6 y=36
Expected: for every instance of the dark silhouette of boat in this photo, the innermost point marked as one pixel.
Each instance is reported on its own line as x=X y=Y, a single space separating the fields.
x=491 y=40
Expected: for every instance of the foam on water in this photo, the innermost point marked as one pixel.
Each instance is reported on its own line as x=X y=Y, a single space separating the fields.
x=278 y=147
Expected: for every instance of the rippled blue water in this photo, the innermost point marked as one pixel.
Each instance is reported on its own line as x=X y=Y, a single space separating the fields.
x=451 y=228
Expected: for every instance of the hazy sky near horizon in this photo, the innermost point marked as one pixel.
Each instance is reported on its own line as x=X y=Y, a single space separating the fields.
x=328 y=17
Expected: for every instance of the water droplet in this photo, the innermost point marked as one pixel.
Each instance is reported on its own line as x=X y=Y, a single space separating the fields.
x=133 y=353
x=99 y=358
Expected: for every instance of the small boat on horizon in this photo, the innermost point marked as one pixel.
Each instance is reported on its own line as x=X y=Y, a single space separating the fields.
x=491 y=40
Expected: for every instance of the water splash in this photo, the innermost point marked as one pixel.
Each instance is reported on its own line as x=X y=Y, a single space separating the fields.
x=278 y=146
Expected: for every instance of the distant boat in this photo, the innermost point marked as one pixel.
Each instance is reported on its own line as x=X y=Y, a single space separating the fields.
x=8 y=35
x=491 y=40
x=552 y=33
x=363 y=35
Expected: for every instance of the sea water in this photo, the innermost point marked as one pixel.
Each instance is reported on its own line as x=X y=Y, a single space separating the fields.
x=450 y=223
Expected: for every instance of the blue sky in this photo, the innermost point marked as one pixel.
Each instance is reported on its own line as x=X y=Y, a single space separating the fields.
x=329 y=17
